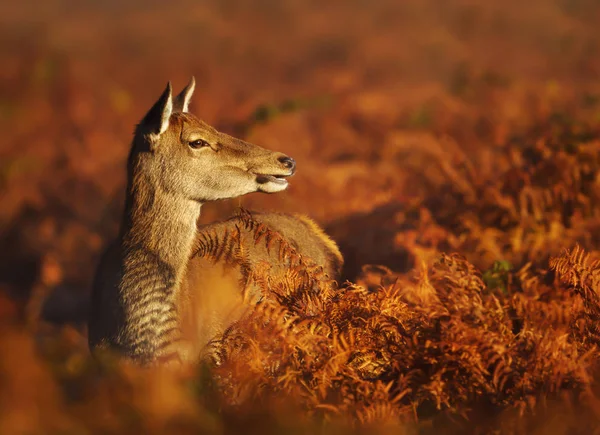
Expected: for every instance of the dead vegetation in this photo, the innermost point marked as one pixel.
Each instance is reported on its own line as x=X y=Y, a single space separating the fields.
x=453 y=150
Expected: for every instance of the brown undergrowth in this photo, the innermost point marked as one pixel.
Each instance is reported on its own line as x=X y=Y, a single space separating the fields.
x=436 y=343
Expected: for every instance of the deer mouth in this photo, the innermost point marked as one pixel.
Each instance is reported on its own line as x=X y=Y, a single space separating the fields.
x=277 y=179
x=269 y=183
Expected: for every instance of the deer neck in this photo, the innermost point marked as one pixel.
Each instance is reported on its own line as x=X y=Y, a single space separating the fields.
x=157 y=236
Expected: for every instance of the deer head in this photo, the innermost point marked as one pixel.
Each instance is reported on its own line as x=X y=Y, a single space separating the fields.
x=183 y=156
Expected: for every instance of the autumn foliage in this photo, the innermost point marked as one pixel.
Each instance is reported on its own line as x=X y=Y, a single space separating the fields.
x=452 y=149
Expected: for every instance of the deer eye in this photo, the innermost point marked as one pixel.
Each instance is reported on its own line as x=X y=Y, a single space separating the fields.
x=199 y=143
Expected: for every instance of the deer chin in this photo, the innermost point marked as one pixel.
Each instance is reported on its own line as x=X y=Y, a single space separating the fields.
x=271 y=183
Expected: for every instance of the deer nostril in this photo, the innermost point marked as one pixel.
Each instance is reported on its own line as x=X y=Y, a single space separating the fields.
x=288 y=162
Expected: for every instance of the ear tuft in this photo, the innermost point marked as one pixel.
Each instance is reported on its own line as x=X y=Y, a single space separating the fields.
x=181 y=102
x=157 y=119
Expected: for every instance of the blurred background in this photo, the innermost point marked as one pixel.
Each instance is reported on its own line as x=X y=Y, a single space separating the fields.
x=381 y=103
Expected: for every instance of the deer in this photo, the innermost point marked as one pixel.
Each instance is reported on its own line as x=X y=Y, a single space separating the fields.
x=155 y=298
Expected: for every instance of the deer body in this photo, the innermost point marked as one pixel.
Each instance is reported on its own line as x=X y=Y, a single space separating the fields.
x=153 y=298
x=218 y=288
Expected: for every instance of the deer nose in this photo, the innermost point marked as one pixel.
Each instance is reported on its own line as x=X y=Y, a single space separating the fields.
x=287 y=162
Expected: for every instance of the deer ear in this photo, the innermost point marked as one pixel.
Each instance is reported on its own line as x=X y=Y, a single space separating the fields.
x=182 y=101
x=157 y=119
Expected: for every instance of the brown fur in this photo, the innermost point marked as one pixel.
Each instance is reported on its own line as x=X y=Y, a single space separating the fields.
x=154 y=297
